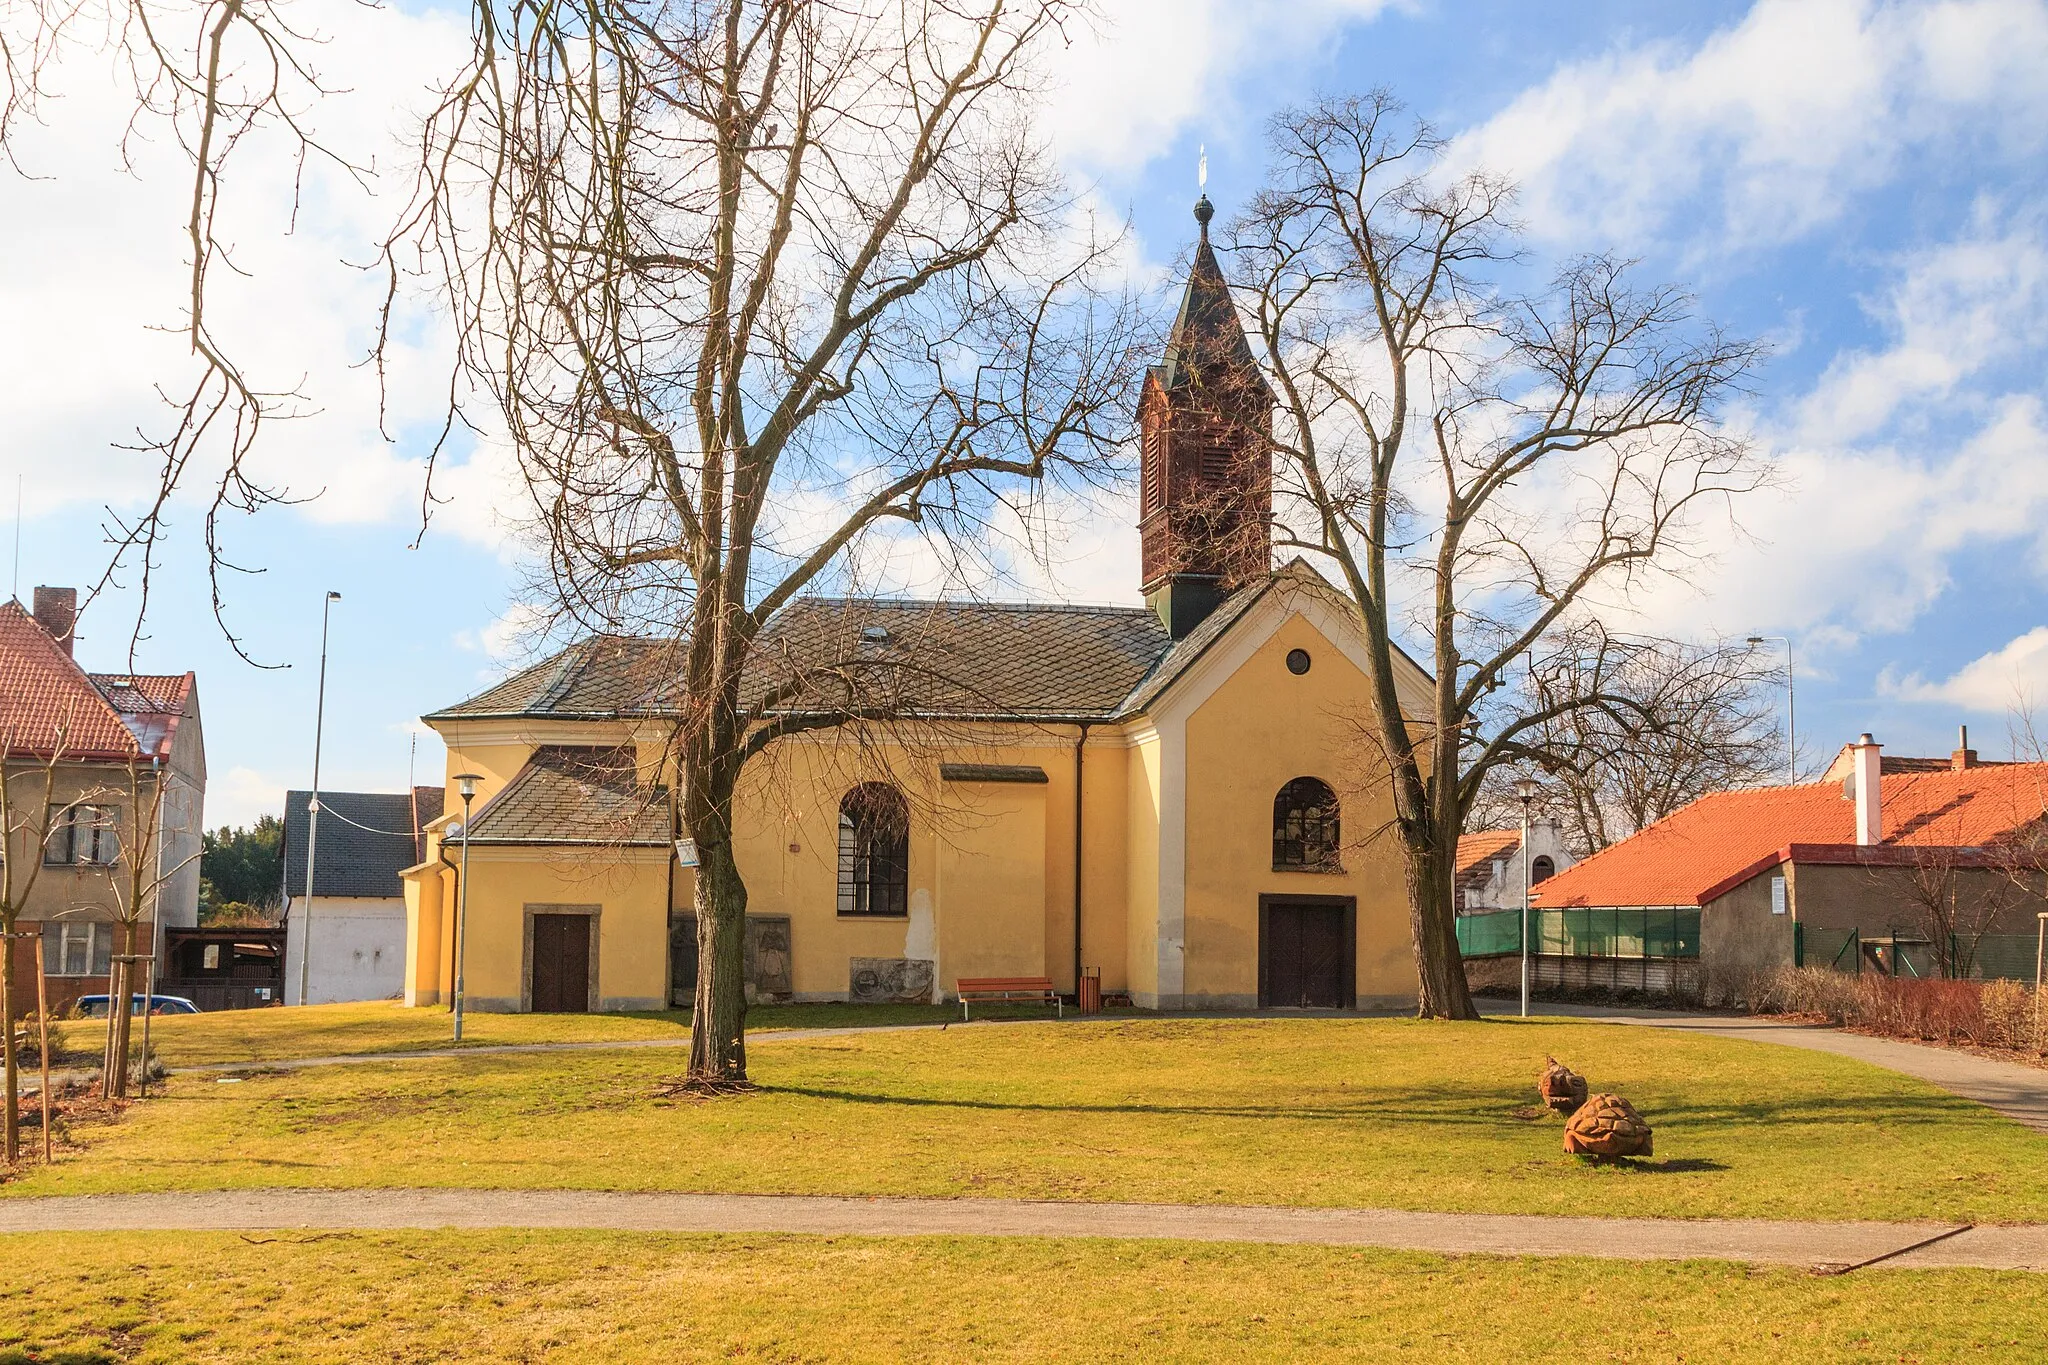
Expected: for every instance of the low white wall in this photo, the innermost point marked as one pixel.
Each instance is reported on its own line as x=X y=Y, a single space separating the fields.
x=358 y=948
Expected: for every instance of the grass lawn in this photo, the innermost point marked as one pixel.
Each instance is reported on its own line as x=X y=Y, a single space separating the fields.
x=572 y=1297
x=376 y=1026
x=1346 y=1112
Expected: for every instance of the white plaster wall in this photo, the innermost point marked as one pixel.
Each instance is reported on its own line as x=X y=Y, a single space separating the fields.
x=1503 y=890
x=358 y=948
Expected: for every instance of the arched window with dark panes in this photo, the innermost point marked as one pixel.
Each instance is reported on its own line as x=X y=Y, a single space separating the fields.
x=874 y=851
x=1542 y=869
x=1305 y=827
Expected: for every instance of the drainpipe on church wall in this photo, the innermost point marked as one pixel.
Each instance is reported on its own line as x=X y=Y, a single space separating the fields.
x=1081 y=1000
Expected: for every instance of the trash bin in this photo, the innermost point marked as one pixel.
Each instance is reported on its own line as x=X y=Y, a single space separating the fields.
x=1091 y=990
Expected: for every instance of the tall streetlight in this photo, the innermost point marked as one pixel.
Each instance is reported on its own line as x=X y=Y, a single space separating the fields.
x=1791 y=705
x=313 y=808
x=466 y=784
x=1525 y=788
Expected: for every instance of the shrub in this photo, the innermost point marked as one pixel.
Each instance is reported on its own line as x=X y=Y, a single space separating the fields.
x=1984 y=1014
x=2009 y=1014
x=1807 y=990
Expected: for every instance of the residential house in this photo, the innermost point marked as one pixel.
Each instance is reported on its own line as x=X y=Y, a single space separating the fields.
x=1894 y=868
x=1165 y=794
x=354 y=911
x=89 y=754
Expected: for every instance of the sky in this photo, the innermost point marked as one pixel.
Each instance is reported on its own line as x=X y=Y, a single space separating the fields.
x=1862 y=185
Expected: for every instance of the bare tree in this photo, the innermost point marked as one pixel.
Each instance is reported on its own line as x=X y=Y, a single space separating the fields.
x=136 y=881
x=748 y=282
x=1666 y=722
x=1484 y=465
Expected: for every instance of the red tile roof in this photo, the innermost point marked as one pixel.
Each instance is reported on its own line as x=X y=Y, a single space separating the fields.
x=47 y=699
x=1693 y=851
x=1479 y=848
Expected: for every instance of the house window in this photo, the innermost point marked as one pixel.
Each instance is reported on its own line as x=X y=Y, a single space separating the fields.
x=78 y=948
x=874 y=851
x=1542 y=870
x=1305 y=827
x=84 y=836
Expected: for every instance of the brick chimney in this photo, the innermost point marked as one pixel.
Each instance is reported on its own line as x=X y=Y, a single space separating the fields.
x=1867 y=778
x=1964 y=756
x=57 y=612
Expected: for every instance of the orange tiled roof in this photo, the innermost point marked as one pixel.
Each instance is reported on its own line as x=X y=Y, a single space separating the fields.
x=1690 y=852
x=44 y=693
x=1481 y=847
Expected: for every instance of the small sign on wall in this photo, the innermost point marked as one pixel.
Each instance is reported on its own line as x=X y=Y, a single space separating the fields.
x=1777 y=895
x=686 y=852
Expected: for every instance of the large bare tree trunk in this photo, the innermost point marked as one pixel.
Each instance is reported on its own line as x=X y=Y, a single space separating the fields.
x=1429 y=865
x=718 y=1043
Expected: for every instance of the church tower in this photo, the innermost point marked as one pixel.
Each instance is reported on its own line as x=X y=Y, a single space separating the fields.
x=1205 y=424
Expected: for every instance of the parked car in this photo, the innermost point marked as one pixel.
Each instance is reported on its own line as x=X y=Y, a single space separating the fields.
x=96 y=1006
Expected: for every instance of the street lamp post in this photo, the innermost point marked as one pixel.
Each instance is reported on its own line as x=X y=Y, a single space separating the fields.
x=1525 y=788
x=313 y=809
x=1791 y=705
x=466 y=784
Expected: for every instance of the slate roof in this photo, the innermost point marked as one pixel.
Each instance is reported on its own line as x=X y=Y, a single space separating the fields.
x=366 y=840
x=572 y=794
x=956 y=659
x=1693 y=851
x=103 y=716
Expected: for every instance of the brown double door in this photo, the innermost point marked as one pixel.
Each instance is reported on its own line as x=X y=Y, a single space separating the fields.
x=561 y=964
x=1306 y=952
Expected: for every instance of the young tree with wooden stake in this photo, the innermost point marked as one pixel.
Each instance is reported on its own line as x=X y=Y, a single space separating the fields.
x=748 y=282
x=1491 y=464
x=137 y=878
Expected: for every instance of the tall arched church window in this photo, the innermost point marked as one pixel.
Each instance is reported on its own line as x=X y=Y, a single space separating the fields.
x=1305 y=827
x=874 y=851
x=1541 y=869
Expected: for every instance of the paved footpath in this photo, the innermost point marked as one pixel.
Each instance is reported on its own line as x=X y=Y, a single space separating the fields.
x=1821 y=1245
x=2017 y=1091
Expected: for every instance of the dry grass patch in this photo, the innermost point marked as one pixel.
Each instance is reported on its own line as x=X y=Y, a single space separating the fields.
x=634 y=1299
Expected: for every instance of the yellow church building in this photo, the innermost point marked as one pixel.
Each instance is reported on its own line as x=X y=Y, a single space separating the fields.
x=1169 y=795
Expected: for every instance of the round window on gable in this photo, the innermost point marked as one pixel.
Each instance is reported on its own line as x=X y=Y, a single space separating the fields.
x=1298 y=661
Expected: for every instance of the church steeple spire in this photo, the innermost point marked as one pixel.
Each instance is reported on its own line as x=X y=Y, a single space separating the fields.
x=1205 y=424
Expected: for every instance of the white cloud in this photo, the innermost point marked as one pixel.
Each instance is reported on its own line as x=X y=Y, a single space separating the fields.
x=1127 y=85
x=1860 y=542
x=510 y=637
x=1782 y=119
x=1953 y=312
x=240 y=795
x=2002 y=681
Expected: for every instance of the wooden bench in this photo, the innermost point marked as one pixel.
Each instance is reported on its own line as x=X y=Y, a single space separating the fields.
x=990 y=990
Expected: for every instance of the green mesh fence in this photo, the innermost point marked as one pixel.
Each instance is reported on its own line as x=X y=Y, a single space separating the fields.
x=2008 y=955
x=1656 y=931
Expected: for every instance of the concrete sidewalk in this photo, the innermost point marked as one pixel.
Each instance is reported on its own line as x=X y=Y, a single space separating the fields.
x=1832 y=1245
x=2019 y=1092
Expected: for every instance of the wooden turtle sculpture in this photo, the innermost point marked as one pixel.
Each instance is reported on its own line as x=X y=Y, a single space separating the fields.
x=1606 y=1126
x=1560 y=1087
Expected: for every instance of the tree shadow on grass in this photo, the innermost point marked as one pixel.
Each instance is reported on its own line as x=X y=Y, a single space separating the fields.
x=1467 y=1106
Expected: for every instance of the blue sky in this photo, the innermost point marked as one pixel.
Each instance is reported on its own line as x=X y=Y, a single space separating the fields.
x=1862 y=184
